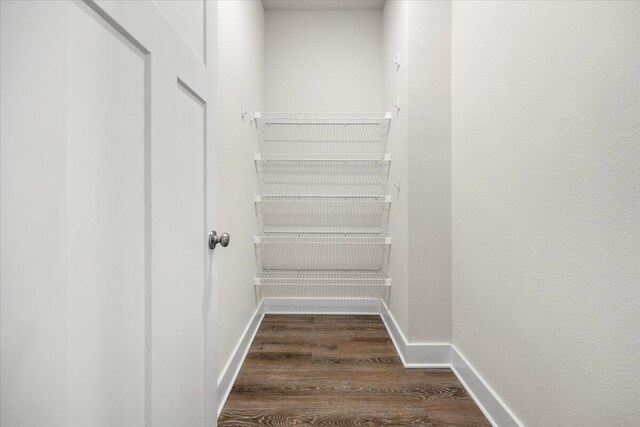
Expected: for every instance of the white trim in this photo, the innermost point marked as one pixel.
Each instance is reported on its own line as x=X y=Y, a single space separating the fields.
x=322 y=305
x=496 y=411
x=416 y=355
x=445 y=355
x=230 y=372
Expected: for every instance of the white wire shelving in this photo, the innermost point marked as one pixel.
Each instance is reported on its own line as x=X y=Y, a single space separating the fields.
x=326 y=213
x=322 y=174
x=325 y=118
x=337 y=294
x=338 y=277
x=325 y=158
x=322 y=210
x=326 y=251
x=340 y=283
x=332 y=238
x=322 y=133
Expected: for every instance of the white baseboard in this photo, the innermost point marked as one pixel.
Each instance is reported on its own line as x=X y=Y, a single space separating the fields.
x=413 y=355
x=230 y=372
x=445 y=355
x=487 y=400
x=416 y=355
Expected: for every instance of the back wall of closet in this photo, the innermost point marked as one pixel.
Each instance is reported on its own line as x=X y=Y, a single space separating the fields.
x=323 y=60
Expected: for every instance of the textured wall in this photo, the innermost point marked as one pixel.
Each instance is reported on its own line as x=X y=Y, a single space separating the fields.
x=240 y=78
x=323 y=60
x=429 y=173
x=420 y=142
x=546 y=191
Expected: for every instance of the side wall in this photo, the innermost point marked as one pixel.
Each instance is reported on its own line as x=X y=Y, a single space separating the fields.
x=429 y=145
x=546 y=184
x=240 y=79
x=323 y=60
x=420 y=143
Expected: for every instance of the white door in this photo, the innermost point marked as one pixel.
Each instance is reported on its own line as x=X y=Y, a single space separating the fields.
x=106 y=162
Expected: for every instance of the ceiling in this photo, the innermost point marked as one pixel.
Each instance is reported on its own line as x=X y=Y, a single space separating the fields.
x=323 y=4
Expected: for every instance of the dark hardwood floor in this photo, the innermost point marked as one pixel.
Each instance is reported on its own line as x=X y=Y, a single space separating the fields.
x=340 y=371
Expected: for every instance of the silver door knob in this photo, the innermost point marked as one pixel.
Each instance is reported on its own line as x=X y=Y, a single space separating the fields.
x=214 y=239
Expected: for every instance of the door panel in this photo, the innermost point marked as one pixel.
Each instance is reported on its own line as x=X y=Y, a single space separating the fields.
x=186 y=18
x=33 y=220
x=107 y=283
x=106 y=223
x=190 y=256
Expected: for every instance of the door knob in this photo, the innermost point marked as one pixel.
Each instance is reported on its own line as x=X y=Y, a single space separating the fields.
x=214 y=239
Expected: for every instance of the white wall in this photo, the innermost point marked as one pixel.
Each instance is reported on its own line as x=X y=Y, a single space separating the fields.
x=546 y=184
x=429 y=173
x=420 y=143
x=323 y=60
x=240 y=78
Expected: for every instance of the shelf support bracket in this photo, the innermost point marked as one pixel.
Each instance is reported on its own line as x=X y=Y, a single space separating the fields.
x=243 y=111
x=396 y=61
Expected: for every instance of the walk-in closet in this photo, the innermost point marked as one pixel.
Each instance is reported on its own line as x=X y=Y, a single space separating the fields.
x=319 y=213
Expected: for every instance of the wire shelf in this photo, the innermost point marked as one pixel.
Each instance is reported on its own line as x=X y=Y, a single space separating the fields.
x=346 y=277
x=322 y=251
x=324 y=158
x=322 y=174
x=322 y=213
x=336 y=294
x=323 y=238
x=322 y=133
x=324 y=198
x=332 y=118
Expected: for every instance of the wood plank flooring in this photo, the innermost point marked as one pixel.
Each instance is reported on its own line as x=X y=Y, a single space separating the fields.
x=326 y=370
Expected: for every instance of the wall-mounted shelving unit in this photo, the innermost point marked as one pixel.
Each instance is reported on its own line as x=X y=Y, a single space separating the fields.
x=322 y=210
x=324 y=213
x=322 y=133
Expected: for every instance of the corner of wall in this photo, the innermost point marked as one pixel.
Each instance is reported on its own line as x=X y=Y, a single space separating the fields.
x=394 y=85
x=240 y=59
x=420 y=143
